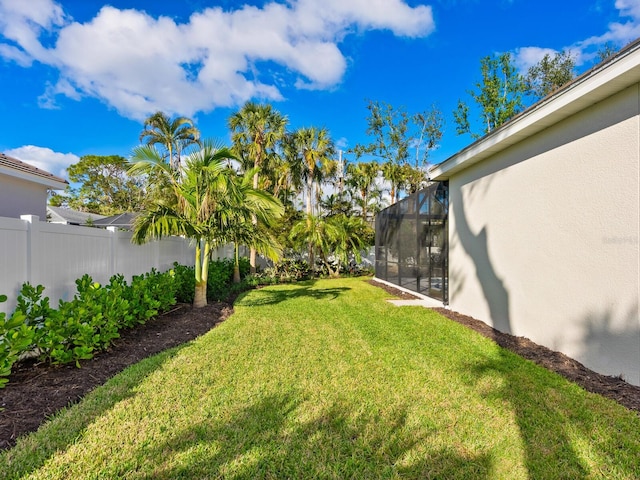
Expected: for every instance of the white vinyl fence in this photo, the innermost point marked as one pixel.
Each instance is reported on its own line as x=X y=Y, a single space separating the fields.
x=56 y=255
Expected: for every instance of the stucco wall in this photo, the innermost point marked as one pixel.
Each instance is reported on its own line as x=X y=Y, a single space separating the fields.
x=544 y=238
x=19 y=197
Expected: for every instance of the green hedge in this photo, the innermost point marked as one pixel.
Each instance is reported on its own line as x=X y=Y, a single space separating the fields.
x=90 y=322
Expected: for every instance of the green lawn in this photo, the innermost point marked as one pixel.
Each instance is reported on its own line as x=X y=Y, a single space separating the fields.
x=327 y=380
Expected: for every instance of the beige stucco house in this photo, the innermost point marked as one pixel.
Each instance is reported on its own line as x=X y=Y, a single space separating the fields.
x=24 y=188
x=543 y=221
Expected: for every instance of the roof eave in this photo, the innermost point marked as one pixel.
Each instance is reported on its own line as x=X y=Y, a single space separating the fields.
x=596 y=85
x=51 y=183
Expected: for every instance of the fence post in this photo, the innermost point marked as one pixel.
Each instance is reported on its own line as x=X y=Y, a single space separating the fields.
x=33 y=252
x=113 y=239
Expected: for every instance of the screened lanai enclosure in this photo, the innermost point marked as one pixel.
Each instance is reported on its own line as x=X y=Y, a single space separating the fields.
x=412 y=242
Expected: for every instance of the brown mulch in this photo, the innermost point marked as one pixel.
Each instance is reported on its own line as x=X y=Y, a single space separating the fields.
x=36 y=391
x=611 y=387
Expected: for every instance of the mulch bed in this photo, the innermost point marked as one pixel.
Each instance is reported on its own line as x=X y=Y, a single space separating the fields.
x=36 y=391
x=611 y=387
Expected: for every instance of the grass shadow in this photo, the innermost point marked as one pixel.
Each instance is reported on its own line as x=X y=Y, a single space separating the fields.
x=551 y=422
x=275 y=437
x=276 y=294
x=63 y=429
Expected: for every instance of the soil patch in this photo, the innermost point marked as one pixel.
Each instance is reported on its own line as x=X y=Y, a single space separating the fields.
x=611 y=387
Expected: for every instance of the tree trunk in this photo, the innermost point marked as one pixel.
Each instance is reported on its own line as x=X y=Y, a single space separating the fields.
x=312 y=261
x=236 y=265
x=200 y=297
x=254 y=220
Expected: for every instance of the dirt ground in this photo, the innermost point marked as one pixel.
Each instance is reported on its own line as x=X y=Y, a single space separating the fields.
x=36 y=391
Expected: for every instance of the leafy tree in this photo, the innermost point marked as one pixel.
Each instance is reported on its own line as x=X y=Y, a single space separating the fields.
x=340 y=237
x=308 y=149
x=389 y=128
x=208 y=204
x=430 y=126
x=256 y=130
x=335 y=204
x=106 y=187
x=395 y=134
x=317 y=234
x=353 y=235
x=498 y=96
x=172 y=135
x=250 y=203
x=550 y=73
x=605 y=51
x=361 y=177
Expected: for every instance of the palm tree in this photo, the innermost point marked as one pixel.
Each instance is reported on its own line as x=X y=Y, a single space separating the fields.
x=250 y=203
x=309 y=149
x=313 y=148
x=335 y=204
x=353 y=235
x=256 y=129
x=174 y=135
x=206 y=203
x=318 y=235
x=396 y=175
x=362 y=178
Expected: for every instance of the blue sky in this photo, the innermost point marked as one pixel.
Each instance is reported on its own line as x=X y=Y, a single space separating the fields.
x=78 y=77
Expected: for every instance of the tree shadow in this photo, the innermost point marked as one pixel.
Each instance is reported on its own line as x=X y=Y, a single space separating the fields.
x=67 y=425
x=543 y=426
x=273 y=295
x=266 y=439
x=612 y=343
x=476 y=247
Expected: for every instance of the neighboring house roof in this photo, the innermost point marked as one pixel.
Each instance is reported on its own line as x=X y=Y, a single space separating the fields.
x=608 y=78
x=122 y=220
x=71 y=217
x=15 y=168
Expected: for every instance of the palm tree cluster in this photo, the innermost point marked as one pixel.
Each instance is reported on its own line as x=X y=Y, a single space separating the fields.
x=252 y=193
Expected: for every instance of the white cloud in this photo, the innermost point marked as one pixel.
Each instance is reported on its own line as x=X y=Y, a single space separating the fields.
x=139 y=64
x=44 y=159
x=584 y=51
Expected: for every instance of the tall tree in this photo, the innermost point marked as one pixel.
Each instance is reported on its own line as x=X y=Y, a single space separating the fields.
x=105 y=186
x=311 y=149
x=390 y=129
x=173 y=136
x=430 y=125
x=255 y=131
x=206 y=204
x=361 y=177
x=308 y=149
x=395 y=134
x=549 y=74
x=248 y=203
x=498 y=96
x=395 y=174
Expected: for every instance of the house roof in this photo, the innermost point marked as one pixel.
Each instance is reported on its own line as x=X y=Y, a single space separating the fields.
x=16 y=168
x=122 y=220
x=609 y=77
x=72 y=217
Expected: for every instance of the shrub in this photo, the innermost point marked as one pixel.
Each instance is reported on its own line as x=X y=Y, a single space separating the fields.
x=185 y=282
x=15 y=337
